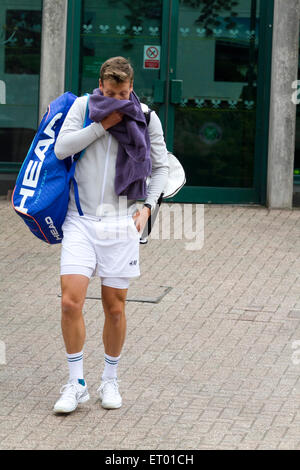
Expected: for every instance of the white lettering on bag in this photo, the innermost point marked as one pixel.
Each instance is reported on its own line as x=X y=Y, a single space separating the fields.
x=25 y=193
x=32 y=174
x=52 y=228
x=33 y=169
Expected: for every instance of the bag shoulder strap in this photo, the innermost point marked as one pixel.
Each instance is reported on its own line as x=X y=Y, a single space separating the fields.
x=77 y=157
x=85 y=124
x=147 y=112
x=147 y=116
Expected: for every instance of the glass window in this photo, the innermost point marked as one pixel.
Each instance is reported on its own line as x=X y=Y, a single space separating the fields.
x=215 y=122
x=20 y=45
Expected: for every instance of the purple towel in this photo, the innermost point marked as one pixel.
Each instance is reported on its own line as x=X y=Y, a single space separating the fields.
x=133 y=163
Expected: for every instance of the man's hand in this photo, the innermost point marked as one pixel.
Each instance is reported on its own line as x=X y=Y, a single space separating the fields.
x=112 y=119
x=141 y=217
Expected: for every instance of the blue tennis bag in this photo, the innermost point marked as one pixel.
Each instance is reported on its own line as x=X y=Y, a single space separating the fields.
x=41 y=193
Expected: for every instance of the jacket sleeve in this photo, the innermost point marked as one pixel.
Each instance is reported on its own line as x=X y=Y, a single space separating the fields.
x=159 y=157
x=73 y=138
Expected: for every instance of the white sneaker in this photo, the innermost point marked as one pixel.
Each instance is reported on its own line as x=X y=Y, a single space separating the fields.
x=109 y=394
x=72 y=394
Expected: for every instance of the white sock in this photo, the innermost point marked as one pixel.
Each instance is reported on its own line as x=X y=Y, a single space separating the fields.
x=75 y=362
x=111 y=367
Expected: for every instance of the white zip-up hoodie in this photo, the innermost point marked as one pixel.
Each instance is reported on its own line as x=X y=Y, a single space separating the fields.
x=95 y=171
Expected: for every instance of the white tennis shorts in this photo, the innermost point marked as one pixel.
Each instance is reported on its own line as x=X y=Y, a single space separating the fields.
x=107 y=247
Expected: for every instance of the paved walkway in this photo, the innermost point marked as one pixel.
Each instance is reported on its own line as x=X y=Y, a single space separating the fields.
x=214 y=364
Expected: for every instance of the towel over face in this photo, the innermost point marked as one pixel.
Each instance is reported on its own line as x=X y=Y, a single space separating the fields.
x=133 y=164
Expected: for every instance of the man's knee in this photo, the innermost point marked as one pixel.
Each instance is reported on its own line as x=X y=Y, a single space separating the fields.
x=73 y=288
x=113 y=301
x=115 y=313
x=71 y=306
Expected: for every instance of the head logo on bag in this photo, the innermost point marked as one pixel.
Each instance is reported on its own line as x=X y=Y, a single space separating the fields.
x=41 y=193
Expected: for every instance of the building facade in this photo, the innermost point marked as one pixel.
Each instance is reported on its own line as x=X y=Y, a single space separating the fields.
x=221 y=76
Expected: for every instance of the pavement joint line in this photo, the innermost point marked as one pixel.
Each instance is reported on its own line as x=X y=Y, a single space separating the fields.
x=152 y=300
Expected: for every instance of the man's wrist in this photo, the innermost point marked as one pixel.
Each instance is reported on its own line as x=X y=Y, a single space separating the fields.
x=149 y=207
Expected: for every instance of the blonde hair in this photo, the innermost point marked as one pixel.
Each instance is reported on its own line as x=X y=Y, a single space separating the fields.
x=118 y=69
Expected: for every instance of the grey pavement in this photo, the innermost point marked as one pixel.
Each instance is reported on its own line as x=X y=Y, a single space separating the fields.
x=213 y=364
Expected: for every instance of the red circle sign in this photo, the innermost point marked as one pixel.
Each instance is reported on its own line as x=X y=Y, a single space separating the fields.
x=152 y=52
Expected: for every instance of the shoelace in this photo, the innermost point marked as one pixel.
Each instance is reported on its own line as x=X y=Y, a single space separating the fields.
x=69 y=389
x=114 y=382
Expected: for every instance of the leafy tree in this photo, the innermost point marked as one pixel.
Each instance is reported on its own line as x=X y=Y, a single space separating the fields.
x=208 y=18
x=210 y=12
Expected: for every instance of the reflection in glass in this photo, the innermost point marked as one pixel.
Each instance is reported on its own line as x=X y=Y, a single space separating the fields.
x=215 y=122
x=20 y=44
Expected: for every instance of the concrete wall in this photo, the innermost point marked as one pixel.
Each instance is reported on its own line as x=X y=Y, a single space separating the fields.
x=53 y=47
x=283 y=110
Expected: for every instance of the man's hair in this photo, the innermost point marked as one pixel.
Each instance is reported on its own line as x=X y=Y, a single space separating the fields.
x=117 y=69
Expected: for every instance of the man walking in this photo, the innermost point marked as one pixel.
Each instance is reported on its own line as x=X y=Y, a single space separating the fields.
x=121 y=151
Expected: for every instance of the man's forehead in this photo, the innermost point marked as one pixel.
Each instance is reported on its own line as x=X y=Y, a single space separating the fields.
x=113 y=85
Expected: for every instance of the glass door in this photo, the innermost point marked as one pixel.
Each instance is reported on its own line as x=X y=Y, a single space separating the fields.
x=215 y=126
x=215 y=120
x=204 y=67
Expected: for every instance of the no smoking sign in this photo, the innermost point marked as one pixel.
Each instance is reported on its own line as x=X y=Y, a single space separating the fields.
x=151 y=57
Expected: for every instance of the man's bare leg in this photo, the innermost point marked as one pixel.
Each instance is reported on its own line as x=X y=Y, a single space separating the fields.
x=114 y=332
x=73 y=288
